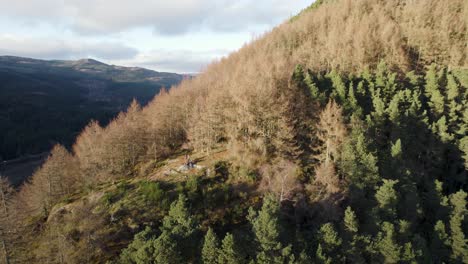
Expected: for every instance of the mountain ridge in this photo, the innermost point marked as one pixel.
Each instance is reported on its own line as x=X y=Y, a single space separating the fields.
x=31 y=88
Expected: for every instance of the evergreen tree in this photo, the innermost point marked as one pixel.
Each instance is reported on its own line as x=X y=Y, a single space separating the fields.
x=166 y=250
x=455 y=115
x=330 y=242
x=179 y=222
x=387 y=244
x=338 y=86
x=396 y=151
x=441 y=128
x=351 y=99
x=457 y=233
x=321 y=257
x=314 y=90
x=267 y=229
x=210 y=250
x=387 y=198
x=393 y=109
x=432 y=91
x=408 y=254
x=229 y=252
x=379 y=106
x=179 y=227
x=141 y=250
x=350 y=221
x=440 y=244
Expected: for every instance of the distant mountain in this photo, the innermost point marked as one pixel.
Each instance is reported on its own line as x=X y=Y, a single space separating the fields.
x=43 y=102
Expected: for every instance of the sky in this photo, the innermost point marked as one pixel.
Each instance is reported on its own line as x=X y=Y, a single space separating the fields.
x=173 y=35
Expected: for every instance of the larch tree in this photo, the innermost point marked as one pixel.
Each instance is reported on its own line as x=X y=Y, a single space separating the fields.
x=331 y=132
x=88 y=149
x=58 y=176
x=6 y=194
x=124 y=143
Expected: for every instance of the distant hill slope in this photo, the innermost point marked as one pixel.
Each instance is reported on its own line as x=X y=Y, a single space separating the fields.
x=44 y=102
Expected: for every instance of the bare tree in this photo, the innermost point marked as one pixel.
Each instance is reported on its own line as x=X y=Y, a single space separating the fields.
x=280 y=179
x=331 y=132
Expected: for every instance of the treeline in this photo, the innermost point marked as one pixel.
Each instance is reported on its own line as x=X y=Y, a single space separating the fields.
x=337 y=115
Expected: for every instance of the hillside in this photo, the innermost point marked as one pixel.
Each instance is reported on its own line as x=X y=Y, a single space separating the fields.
x=47 y=102
x=338 y=137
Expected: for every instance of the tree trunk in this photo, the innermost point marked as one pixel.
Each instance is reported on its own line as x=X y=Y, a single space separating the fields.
x=5 y=252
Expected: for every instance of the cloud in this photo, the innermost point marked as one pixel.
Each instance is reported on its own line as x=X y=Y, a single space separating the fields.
x=64 y=49
x=164 y=17
x=181 y=61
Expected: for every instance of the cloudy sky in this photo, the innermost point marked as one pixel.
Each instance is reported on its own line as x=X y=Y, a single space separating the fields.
x=164 y=35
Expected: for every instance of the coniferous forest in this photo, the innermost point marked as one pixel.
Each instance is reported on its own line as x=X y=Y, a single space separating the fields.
x=338 y=137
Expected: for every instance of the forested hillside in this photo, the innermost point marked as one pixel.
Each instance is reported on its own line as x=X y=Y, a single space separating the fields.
x=338 y=137
x=47 y=102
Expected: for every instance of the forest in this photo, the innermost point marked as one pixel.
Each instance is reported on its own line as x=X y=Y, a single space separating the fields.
x=338 y=137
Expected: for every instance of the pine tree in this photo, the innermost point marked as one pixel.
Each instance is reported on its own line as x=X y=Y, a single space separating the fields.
x=141 y=249
x=338 y=85
x=387 y=198
x=166 y=250
x=229 y=252
x=379 y=106
x=179 y=228
x=393 y=109
x=441 y=128
x=459 y=245
x=210 y=250
x=408 y=255
x=267 y=229
x=266 y=226
x=178 y=221
x=432 y=91
x=320 y=256
x=440 y=243
x=314 y=90
x=357 y=162
x=330 y=240
x=351 y=99
x=455 y=108
x=387 y=244
x=350 y=221
x=385 y=81
x=396 y=151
